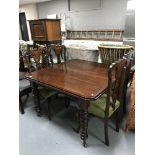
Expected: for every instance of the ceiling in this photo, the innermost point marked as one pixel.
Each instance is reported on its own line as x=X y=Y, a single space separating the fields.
x=22 y=2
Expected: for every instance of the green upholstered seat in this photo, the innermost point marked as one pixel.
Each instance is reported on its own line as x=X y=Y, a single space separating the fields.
x=98 y=107
x=45 y=93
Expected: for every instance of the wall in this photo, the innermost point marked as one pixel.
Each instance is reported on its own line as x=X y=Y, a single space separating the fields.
x=130 y=20
x=110 y=15
x=31 y=13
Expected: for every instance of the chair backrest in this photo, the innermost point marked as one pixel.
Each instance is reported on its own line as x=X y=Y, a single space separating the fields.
x=59 y=50
x=128 y=73
x=22 y=62
x=112 y=53
x=116 y=77
x=36 y=55
x=39 y=55
x=47 y=58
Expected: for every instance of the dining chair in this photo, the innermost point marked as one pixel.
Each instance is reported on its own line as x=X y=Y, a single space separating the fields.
x=110 y=103
x=25 y=66
x=24 y=85
x=60 y=53
x=112 y=53
x=130 y=124
x=41 y=60
x=24 y=90
x=130 y=70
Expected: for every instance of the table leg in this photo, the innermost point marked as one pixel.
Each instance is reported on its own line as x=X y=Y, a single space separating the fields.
x=84 y=122
x=36 y=98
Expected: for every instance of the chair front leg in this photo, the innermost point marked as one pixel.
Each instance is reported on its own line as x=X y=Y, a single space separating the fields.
x=106 y=131
x=117 y=115
x=49 y=102
x=36 y=98
x=67 y=102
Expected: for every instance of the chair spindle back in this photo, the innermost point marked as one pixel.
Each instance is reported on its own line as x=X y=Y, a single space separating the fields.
x=116 y=77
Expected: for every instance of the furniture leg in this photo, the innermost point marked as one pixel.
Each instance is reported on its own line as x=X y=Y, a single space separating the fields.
x=106 y=131
x=117 y=120
x=67 y=102
x=65 y=53
x=49 y=102
x=36 y=98
x=84 y=123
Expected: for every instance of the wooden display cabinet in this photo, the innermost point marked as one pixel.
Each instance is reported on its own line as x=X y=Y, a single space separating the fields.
x=45 y=30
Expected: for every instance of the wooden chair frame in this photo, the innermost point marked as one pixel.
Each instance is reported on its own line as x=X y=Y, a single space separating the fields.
x=116 y=77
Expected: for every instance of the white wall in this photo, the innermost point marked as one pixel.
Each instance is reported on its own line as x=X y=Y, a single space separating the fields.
x=110 y=15
x=31 y=13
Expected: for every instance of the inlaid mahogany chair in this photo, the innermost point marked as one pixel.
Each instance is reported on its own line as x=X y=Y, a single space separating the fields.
x=24 y=85
x=109 y=104
x=60 y=52
x=46 y=94
x=24 y=90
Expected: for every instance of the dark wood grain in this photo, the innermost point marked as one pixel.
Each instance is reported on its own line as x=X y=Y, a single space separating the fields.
x=130 y=124
x=45 y=29
x=84 y=80
x=59 y=50
x=116 y=77
x=80 y=78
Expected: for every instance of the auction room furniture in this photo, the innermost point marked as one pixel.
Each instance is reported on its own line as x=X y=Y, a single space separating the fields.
x=131 y=115
x=83 y=44
x=111 y=101
x=45 y=95
x=103 y=35
x=84 y=80
x=128 y=77
x=24 y=85
x=59 y=52
x=112 y=53
x=24 y=90
x=45 y=31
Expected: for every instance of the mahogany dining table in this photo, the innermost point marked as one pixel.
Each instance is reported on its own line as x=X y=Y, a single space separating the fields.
x=83 y=80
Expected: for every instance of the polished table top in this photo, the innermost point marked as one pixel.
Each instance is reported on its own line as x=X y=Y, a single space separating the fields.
x=82 y=79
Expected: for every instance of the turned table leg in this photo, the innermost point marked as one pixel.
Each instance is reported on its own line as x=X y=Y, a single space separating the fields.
x=36 y=98
x=84 y=122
